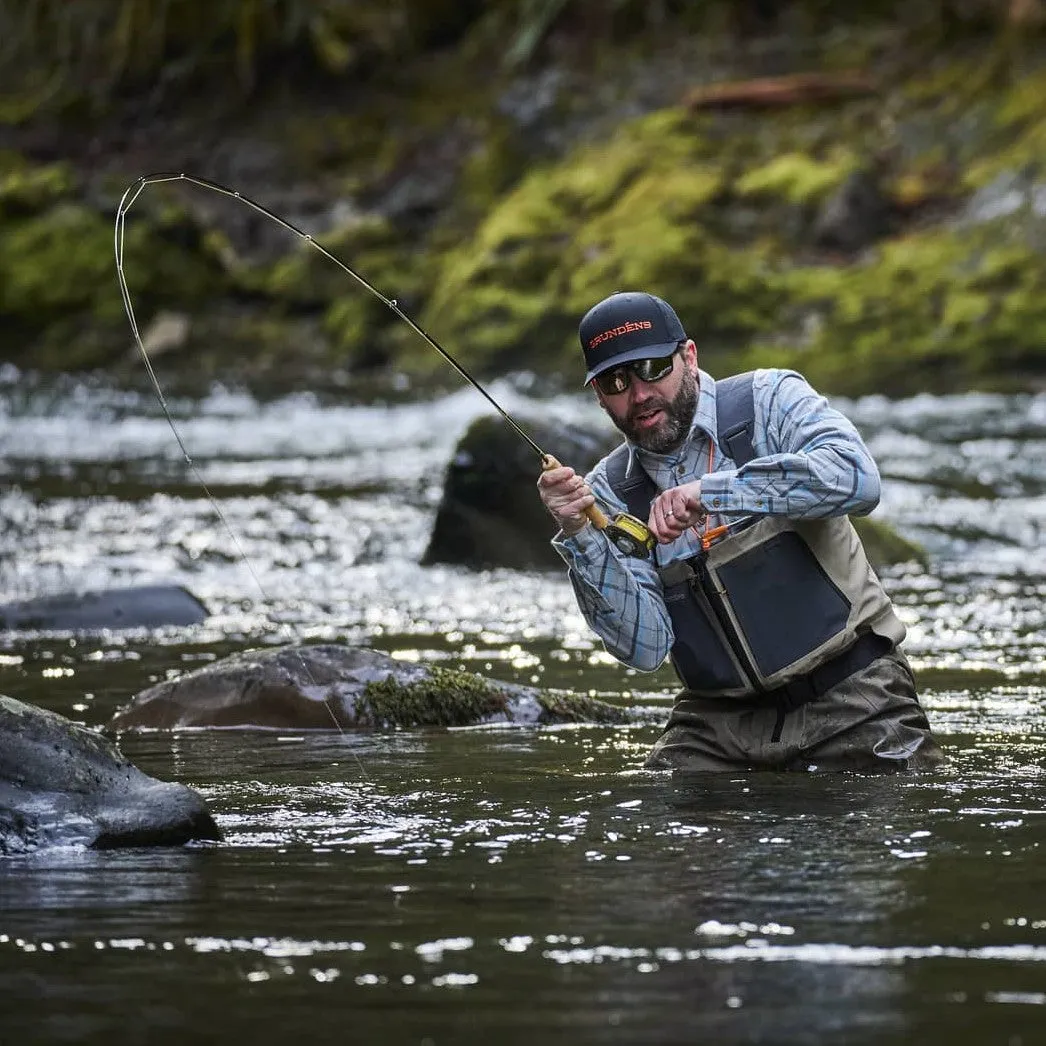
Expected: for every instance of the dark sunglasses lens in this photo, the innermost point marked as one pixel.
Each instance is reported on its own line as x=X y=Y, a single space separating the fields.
x=654 y=369
x=614 y=381
x=611 y=382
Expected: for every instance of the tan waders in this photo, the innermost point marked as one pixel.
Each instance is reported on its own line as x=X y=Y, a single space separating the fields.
x=870 y=721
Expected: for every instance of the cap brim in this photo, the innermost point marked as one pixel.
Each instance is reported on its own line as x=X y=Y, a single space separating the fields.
x=646 y=352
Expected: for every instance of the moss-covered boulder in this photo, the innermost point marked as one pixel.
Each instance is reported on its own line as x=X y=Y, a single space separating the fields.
x=335 y=687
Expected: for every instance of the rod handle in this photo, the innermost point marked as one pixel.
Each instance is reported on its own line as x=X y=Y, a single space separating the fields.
x=595 y=514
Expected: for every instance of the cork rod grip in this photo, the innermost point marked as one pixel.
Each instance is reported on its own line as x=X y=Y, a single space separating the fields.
x=596 y=515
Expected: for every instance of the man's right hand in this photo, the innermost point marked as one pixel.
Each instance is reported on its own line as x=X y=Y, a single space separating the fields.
x=566 y=496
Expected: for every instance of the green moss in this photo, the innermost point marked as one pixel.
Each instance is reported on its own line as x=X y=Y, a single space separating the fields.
x=567 y=707
x=27 y=189
x=447 y=697
x=885 y=547
x=625 y=213
x=943 y=309
x=444 y=698
x=797 y=177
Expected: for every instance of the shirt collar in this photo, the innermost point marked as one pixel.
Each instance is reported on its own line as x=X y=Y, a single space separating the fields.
x=704 y=423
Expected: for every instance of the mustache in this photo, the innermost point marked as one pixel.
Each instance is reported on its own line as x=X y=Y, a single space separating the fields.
x=649 y=407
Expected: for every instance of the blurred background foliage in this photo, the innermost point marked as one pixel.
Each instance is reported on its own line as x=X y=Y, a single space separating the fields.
x=497 y=166
x=83 y=52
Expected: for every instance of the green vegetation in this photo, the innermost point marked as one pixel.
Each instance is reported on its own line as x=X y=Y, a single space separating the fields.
x=518 y=230
x=445 y=697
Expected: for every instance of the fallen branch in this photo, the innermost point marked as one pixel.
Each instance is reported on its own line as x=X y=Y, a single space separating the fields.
x=776 y=92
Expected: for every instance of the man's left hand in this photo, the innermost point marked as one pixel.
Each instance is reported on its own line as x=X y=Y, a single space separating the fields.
x=675 y=510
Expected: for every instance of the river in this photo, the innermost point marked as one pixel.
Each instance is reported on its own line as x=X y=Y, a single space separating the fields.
x=525 y=885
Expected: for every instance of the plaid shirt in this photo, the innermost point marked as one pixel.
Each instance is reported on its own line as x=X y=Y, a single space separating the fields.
x=810 y=463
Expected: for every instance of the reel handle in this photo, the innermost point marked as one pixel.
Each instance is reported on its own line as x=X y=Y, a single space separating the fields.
x=596 y=515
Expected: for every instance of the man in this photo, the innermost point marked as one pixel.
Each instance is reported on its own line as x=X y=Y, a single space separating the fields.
x=758 y=587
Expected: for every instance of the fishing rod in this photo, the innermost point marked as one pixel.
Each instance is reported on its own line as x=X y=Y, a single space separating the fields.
x=627 y=533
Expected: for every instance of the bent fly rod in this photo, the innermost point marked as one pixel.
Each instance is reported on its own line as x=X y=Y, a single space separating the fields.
x=626 y=532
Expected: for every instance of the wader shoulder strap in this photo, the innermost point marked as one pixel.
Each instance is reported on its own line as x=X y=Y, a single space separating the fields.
x=636 y=491
x=735 y=427
x=735 y=417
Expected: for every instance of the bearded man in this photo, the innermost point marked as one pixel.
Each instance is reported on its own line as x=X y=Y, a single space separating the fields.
x=758 y=588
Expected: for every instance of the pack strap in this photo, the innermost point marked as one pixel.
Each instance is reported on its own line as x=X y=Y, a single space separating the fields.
x=735 y=427
x=735 y=417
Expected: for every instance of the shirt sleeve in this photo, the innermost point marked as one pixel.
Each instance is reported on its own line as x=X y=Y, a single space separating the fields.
x=619 y=596
x=810 y=460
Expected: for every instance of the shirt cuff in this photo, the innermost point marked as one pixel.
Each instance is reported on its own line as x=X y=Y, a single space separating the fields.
x=721 y=493
x=582 y=549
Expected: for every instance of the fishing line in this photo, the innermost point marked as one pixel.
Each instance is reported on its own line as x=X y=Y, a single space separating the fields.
x=132 y=193
x=129 y=196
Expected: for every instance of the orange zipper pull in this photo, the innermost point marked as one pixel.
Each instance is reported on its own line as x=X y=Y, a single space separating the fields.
x=710 y=536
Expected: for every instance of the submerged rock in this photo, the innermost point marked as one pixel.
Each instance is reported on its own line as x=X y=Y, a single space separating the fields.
x=62 y=784
x=142 y=606
x=329 y=687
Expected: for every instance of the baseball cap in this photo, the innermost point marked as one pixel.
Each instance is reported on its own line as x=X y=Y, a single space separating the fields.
x=629 y=325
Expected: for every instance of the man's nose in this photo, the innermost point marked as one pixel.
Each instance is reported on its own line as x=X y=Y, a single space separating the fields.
x=641 y=390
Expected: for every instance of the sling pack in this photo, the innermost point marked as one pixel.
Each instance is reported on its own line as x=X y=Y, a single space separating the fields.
x=780 y=611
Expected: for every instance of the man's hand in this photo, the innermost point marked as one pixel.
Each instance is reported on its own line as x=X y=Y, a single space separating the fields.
x=673 y=511
x=566 y=496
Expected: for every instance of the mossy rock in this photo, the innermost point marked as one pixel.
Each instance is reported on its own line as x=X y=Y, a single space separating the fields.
x=885 y=547
x=332 y=686
x=941 y=309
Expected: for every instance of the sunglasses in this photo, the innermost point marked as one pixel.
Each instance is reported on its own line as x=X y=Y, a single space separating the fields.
x=612 y=382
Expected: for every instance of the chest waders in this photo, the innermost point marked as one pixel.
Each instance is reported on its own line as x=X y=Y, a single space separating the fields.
x=777 y=612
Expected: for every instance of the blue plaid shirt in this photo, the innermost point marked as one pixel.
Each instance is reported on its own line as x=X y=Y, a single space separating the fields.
x=810 y=463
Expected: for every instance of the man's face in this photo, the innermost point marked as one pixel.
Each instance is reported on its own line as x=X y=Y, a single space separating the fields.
x=657 y=415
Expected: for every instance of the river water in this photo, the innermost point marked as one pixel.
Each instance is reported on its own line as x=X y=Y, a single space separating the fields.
x=526 y=885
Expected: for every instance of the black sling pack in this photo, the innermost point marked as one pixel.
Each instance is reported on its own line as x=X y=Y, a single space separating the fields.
x=735 y=425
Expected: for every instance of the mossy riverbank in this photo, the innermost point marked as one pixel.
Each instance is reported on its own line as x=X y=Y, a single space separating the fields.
x=889 y=239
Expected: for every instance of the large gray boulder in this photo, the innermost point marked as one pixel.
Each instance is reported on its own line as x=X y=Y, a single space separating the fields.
x=336 y=687
x=490 y=514
x=139 y=606
x=63 y=784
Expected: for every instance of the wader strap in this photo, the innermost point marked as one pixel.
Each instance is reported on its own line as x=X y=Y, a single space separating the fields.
x=735 y=425
x=735 y=417
x=799 y=692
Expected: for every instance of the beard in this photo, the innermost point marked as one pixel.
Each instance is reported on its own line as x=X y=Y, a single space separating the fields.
x=673 y=429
